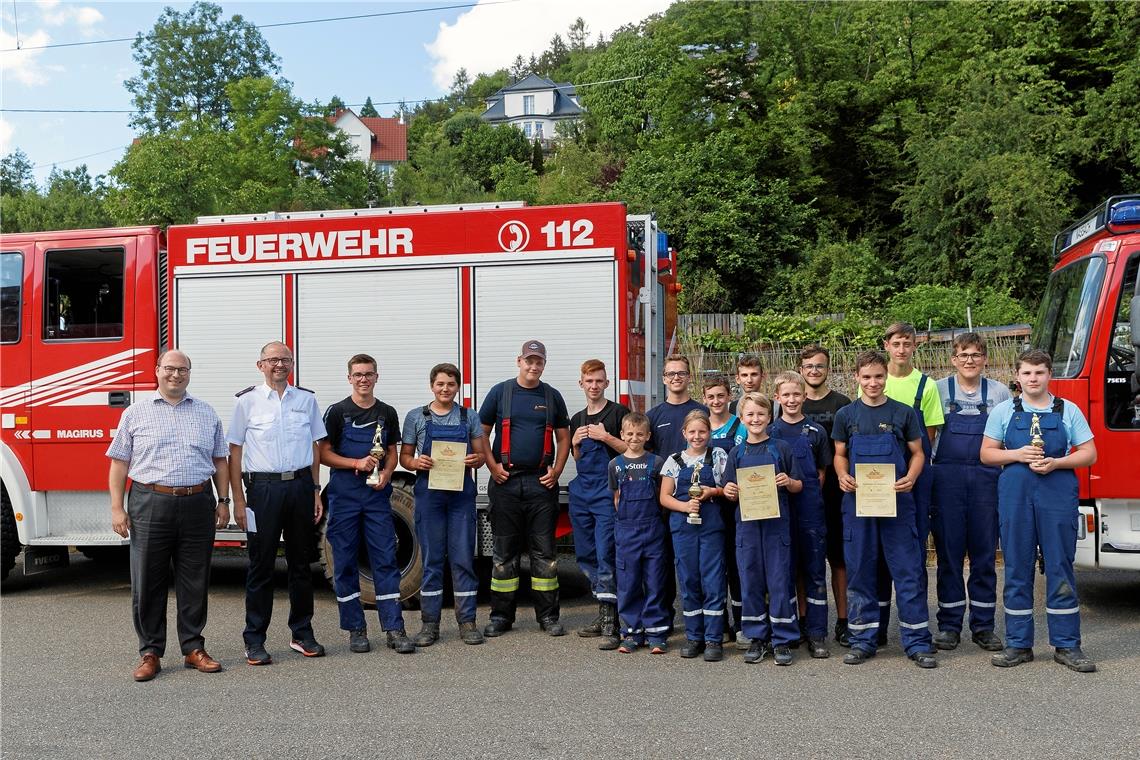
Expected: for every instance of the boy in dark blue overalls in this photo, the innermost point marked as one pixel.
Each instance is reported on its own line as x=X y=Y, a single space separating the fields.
x=641 y=540
x=877 y=430
x=1039 y=440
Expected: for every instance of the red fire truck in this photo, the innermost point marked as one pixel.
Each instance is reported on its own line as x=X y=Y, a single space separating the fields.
x=87 y=312
x=1090 y=323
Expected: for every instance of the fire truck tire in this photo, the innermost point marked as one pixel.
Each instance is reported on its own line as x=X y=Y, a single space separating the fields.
x=408 y=555
x=9 y=539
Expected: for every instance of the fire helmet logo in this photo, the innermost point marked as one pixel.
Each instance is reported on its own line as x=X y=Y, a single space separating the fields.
x=514 y=236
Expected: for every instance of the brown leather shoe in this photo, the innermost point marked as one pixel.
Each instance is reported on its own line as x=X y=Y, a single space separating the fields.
x=148 y=667
x=202 y=662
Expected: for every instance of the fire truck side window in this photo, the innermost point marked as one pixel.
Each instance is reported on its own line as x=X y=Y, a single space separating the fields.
x=1121 y=385
x=11 y=295
x=83 y=294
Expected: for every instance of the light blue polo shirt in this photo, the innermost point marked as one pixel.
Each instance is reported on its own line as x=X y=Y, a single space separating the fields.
x=1076 y=427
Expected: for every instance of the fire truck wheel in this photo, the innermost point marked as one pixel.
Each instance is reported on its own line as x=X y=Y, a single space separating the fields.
x=9 y=539
x=408 y=556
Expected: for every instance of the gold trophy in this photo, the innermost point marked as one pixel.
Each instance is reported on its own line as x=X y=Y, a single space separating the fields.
x=695 y=491
x=1035 y=437
x=377 y=451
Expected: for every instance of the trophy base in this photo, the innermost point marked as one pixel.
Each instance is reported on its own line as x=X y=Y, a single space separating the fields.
x=694 y=519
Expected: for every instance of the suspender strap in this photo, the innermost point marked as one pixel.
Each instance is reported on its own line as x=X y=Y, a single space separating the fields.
x=950 y=390
x=1017 y=405
x=1059 y=406
x=732 y=430
x=505 y=443
x=548 y=433
x=982 y=406
x=918 y=396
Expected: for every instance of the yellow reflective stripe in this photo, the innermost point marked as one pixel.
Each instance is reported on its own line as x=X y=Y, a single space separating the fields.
x=543 y=584
x=505 y=584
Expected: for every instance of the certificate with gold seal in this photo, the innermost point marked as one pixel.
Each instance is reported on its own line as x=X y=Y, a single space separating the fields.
x=875 y=495
x=446 y=473
x=758 y=497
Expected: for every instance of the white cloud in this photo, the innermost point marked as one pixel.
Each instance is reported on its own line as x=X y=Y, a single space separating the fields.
x=54 y=13
x=488 y=37
x=6 y=131
x=24 y=66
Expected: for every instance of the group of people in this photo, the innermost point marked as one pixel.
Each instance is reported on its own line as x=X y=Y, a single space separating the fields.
x=658 y=504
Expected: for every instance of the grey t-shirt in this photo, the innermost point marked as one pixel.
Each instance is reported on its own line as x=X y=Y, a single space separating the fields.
x=996 y=392
x=415 y=424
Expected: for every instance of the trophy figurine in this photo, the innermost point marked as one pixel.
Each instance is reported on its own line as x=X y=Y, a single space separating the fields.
x=377 y=451
x=695 y=491
x=1035 y=438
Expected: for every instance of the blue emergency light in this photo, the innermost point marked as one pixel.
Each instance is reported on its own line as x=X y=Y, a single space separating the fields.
x=1124 y=213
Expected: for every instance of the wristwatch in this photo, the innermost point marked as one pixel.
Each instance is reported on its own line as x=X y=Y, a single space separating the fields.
x=225 y=501
x=317 y=487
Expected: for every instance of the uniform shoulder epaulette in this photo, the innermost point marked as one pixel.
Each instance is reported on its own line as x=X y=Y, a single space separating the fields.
x=244 y=391
x=303 y=388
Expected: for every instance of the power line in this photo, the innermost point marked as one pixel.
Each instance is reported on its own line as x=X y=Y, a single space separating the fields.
x=405 y=12
x=80 y=158
x=403 y=101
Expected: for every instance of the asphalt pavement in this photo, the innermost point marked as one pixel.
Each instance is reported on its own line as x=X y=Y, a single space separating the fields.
x=67 y=650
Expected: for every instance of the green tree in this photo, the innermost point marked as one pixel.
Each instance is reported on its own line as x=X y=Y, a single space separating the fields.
x=536 y=158
x=515 y=181
x=186 y=61
x=485 y=146
x=16 y=174
x=369 y=110
x=335 y=104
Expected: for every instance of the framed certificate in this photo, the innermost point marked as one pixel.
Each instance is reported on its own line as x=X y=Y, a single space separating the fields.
x=875 y=495
x=758 y=497
x=447 y=470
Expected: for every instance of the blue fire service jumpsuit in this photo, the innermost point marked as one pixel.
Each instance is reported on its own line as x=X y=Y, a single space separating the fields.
x=445 y=526
x=808 y=524
x=592 y=517
x=965 y=519
x=642 y=561
x=699 y=555
x=896 y=539
x=1039 y=510
x=764 y=553
x=354 y=509
x=728 y=512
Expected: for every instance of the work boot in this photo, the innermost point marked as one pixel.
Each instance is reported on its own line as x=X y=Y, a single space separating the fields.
x=714 y=651
x=842 y=635
x=1011 y=657
x=428 y=635
x=1074 y=659
x=497 y=627
x=947 y=640
x=358 y=641
x=818 y=649
x=399 y=641
x=470 y=633
x=692 y=649
x=594 y=629
x=987 y=640
x=552 y=626
x=609 y=630
x=923 y=660
x=857 y=656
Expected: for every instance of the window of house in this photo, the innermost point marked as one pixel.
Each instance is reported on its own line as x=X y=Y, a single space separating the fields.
x=11 y=295
x=83 y=294
x=528 y=105
x=538 y=129
x=526 y=128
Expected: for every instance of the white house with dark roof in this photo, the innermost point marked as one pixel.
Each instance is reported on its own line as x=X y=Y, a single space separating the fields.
x=534 y=105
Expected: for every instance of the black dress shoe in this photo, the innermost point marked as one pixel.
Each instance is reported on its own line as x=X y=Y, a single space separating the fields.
x=987 y=640
x=1011 y=657
x=1074 y=659
x=496 y=627
x=857 y=656
x=714 y=651
x=923 y=660
x=947 y=640
x=692 y=649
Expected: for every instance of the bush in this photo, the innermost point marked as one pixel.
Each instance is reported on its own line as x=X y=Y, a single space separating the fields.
x=941 y=307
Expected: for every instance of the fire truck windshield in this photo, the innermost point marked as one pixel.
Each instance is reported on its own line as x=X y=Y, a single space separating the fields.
x=1065 y=319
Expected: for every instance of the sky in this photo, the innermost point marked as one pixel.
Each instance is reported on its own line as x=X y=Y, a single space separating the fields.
x=410 y=56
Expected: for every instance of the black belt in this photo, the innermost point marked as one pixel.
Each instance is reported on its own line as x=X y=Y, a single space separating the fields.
x=524 y=469
x=295 y=474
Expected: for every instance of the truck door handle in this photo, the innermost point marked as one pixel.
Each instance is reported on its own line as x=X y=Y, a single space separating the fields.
x=118 y=399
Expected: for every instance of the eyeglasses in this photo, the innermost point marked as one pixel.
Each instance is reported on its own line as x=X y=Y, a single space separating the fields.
x=971 y=357
x=282 y=360
x=363 y=375
x=677 y=373
x=175 y=370
x=813 y=367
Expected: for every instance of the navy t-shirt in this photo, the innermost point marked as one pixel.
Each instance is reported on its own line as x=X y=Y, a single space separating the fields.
x=528 y=420
x=892 y=417
x=665 y=421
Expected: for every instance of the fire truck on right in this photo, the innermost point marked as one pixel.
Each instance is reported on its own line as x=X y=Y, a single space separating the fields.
x=1089 y=322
